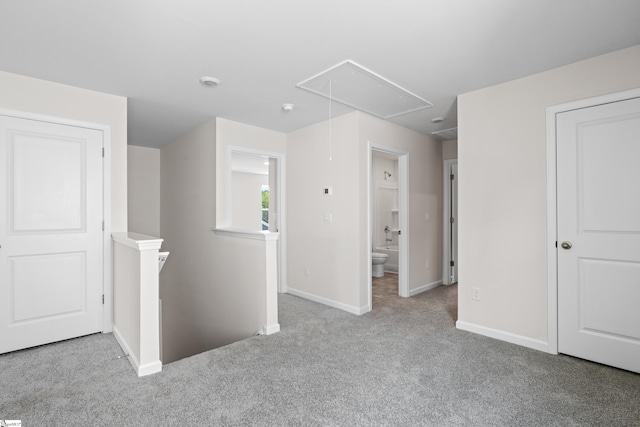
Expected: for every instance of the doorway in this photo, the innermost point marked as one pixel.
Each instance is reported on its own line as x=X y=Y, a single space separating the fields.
x=53 y=280
x=388 y=213
x=594 y=281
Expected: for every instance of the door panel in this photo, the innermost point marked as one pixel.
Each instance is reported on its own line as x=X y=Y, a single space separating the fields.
x=598 y=152
x=601 y=310
x=58 y=280
x=51 y=254
x=48 y=183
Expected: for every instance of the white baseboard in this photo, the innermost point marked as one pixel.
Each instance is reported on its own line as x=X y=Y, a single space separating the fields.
x=150 y=368
x=504 y=336
x=141 y=370
x=425 y=288
x=331 y=303
x=271 y=329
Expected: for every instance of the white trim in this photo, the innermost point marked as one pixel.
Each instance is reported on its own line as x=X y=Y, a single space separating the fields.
x=369 y=237
x=403 y=217
x=107 y=248
x=502 y=336
x=282 y=203
x=552 y=228
x=138 y=241
x=246 y=234
x=271 y=329
x=366 y=72
x=331 y=303
x=107 y=263
x=141 y=370
x=149 y=368
x=425 y=288
x=446 y=208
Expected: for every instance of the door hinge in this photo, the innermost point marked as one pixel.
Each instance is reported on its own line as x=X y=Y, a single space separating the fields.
x=102 y=151
x=103 y=299
x=452 y=176
x=452 y=263
x=102 y=225
x=452 y=220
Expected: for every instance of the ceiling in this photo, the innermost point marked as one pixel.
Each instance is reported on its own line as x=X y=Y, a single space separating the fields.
x=154 y=52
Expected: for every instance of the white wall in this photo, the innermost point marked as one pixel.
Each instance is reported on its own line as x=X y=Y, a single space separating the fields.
x=336 y=254
x=502 y=189
x=144 y=190
x=425 y=197
x=211 y=290
x=329 y=251
x=54 y=99
x=383 y=201
x=247 y=200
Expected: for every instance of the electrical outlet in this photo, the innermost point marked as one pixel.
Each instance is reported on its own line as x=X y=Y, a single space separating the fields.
x=475 y=294
x=306 y=270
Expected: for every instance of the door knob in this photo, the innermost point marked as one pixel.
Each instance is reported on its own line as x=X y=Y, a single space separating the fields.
x=566 y=245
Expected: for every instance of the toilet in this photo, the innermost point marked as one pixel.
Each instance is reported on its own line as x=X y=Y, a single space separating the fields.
x=377 y=260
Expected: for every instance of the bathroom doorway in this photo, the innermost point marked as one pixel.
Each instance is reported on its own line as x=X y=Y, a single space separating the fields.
x=388 y=214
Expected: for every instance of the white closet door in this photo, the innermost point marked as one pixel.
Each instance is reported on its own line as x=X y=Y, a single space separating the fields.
x=51 y=238
x=598 y=154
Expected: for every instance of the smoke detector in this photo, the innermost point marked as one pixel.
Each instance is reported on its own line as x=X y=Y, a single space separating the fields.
x=287 y=107
x=209 y=81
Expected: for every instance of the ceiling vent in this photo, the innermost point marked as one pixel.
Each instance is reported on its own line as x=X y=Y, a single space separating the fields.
x=353 y=85
x=446 y=134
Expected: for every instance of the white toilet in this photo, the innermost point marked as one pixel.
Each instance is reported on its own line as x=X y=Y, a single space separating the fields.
x=377 y=260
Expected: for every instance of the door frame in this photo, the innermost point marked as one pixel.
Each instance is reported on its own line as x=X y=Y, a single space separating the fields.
x=403 y=217
x=446 y=205
x=107 y=266
x=552 y=212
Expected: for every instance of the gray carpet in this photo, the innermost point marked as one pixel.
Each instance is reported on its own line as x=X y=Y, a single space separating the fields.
x=404 y=364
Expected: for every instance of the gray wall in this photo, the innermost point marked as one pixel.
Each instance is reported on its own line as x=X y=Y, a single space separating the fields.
x=209 y=290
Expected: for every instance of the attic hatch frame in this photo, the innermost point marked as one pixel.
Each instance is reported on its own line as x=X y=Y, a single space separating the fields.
x=409 y=101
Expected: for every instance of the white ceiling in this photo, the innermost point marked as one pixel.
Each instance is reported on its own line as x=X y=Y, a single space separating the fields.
x=154 y=52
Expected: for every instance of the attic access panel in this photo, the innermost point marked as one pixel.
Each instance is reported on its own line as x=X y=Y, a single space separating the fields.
x=353 y=85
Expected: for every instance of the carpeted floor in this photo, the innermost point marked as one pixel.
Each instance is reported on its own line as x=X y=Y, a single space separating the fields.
x=403 y=364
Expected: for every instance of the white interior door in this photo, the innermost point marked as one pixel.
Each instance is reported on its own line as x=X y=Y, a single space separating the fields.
x=598 y=155
x=51 y=238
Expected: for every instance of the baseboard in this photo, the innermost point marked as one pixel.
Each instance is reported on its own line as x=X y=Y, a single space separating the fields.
x=425 y=288
x=141 y=370
x=331 y=303
x=271 y=329
x=504 y=336
x=150 y=368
